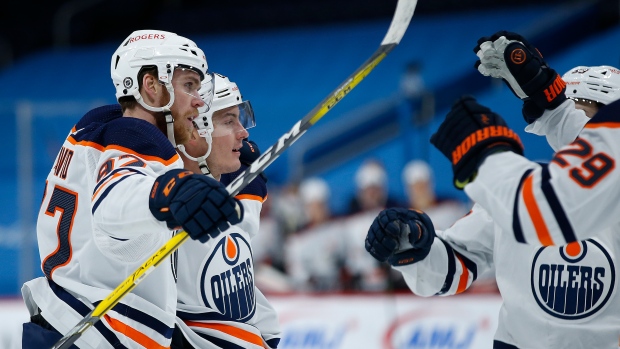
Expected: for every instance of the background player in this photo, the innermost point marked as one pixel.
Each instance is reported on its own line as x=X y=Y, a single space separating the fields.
x=219 y=304
x=114 y=195
x=553 y=297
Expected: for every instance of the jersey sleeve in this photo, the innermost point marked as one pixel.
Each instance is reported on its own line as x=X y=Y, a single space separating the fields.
x=123 y=159
x=123 y=225
x=562 y=201
x=458 y=255
x=561 y=125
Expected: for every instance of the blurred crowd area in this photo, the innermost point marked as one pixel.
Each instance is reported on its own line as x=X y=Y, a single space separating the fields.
x=303 y=247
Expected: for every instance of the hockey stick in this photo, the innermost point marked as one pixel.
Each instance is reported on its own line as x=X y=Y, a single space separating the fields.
x=398 y=26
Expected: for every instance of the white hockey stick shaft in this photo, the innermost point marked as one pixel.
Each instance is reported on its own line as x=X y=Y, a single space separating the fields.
x=400 y=22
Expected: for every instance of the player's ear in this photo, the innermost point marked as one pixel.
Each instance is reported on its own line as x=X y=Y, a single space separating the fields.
x=151 y=87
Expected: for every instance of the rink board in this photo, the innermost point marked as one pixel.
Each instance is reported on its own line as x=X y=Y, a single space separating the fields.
x=354 y=321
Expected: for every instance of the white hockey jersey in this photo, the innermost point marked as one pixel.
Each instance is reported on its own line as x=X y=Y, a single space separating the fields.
x=219 y=305
x=553 y=297
x=95 y=228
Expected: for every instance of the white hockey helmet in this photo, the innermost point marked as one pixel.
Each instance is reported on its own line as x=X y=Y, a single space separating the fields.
x=225 y=94
x=600 y=84
x=164 y=50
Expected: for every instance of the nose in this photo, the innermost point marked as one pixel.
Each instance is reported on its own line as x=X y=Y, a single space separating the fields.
x=243 y=133
x=197 y=102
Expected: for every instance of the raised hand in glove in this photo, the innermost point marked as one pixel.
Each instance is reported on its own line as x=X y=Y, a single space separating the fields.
x=400 y=236
x=469 y=134
x=198 y=203
x=511 y=57
x=248 y=152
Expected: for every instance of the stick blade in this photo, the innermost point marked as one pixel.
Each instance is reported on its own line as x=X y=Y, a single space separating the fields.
x=400 y=21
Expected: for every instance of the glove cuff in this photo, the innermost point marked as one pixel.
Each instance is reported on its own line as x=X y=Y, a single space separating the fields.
x=409 y=256
x=162 y=192
x=551 y=94
x=531 y=111
x=477 y=147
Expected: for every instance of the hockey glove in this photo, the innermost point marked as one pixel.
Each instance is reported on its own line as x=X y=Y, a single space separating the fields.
x=198 y=203
x=249 y=153
x=400 y=236
x=511 y=57
x=469 y=134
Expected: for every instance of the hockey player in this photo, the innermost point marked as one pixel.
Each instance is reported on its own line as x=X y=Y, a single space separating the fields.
x=557 y=292
x=115 y=194
x=219 y=305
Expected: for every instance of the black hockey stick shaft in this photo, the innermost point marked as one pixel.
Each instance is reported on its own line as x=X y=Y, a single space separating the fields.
x=398 y=26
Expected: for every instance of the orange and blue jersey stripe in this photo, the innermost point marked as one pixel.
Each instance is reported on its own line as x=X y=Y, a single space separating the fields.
x=105 y=128
x=467 y=266
x=215 y=321
x=255 y=190
x=110 y=181
x=526 y=194
x=117 y=325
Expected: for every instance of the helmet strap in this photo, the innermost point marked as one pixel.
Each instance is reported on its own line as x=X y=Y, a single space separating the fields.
x=170 y=128
x=201 y=160
x=204 y=167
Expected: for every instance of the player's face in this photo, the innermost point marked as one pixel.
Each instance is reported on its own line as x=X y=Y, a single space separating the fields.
x=187 y=100
x=228 y=134
x=589 y=108
x=371 y=197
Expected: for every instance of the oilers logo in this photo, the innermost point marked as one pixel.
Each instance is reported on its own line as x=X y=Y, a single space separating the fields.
x=574 y=281
x=227 y=281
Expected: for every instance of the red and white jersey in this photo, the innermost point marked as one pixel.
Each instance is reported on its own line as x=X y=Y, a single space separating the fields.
x=554 y=295
x=95 y=228
x=219 y=305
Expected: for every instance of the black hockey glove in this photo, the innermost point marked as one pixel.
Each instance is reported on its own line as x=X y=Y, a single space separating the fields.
x=511 y=57
x=400 y=236
x=469 y=134
x=249 y=153
x=198 y=203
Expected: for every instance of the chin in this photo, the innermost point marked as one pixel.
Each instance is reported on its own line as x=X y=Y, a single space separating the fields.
x=236 y=166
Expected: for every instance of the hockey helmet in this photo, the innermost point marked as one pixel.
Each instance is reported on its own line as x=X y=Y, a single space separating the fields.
x=164 y=50
x=600 y=84
x=225 y=94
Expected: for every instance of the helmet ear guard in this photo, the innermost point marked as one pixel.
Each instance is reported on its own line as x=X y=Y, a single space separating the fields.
x=599 y=84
